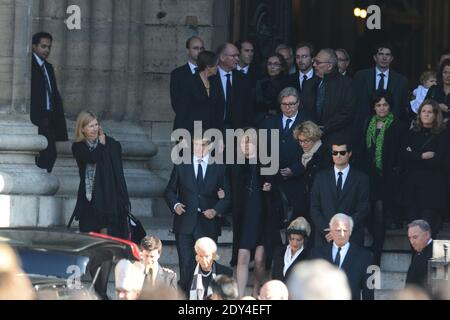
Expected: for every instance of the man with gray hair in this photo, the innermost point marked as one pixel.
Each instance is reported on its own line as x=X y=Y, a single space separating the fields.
x=288 y=55
x=318 y=280
x=343 y=61
x=419 y=235
x=351 y=258
x=329 y=96
x=288 y=179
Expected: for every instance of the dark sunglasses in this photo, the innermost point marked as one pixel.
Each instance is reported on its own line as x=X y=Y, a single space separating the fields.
x=342 y=153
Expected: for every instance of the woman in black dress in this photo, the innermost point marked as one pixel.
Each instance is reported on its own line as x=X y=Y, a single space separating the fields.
x=424 y=155
x=384 y=137
x=296 y=251
x=249 y=214
x=103 y=203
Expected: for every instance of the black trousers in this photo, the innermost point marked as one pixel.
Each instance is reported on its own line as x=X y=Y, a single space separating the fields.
x=46 y=159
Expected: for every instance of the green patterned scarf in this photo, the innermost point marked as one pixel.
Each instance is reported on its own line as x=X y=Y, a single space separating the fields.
x=372 y=138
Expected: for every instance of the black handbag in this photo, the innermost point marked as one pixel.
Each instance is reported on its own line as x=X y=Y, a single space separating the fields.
x=136 y=229
x=288 y=210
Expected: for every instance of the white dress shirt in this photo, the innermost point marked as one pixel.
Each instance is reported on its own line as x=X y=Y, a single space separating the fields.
x=204 y=164
x=223 y=79
x=378 y=78
x=41 y=63
x=192 y=66
x=243 y=69
x=308 y=75
x=344 y=251
x=292 y=122
x=344 y=174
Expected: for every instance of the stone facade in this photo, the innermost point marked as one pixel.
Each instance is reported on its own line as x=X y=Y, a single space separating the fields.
x=116 y=65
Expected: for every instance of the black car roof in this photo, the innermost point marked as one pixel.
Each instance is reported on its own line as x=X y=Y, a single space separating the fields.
x=61 y=240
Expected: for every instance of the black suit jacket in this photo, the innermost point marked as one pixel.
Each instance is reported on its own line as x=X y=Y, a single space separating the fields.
x=293 y=80
x=241 y=101
x=418 y=269
x=278 y=263
x=355 y=265
x=353 y=201
x=180 y=80
x=55 y=120
x=339 y=105
x=197 y=105
x=182 y=188
x=364 y=83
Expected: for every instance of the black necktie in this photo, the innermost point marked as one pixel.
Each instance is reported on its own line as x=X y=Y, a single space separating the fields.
x=199 y=173
x=337 y=260
x=228 y=99
x=381 y=83
x=339 y=184
x=47 y=87
x=287 y=125
x=320 y=100
x=305 y=77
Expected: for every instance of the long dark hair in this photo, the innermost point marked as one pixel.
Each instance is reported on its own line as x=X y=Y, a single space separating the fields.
x=440 y=77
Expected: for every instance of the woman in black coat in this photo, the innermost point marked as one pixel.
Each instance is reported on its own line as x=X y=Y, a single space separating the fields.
x=103 y=203
x=268 y=88
x=285 y=258
x=315 y=157
x=441 y=92
x=425 y=154
x=384 y=136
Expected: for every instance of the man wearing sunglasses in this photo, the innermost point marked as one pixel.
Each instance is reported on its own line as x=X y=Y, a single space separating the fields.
x=339 y=189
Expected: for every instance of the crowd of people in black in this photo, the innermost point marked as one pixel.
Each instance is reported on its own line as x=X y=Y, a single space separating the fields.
x=361 y=145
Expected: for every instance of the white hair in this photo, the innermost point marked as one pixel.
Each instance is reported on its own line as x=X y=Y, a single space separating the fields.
x=274 y=290
x=342 y=217
x=206 y=244
x=129 y=276
x=318 y=280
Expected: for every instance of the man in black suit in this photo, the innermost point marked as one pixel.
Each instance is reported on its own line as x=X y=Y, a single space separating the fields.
x=192 y=195
x=419 y=235
x=46 y=110
x=181 y=77
x=304 y=53
x=246 y=65
x=329 y=97
x=343 y=61
x=351 y=258
x=381 y=77
x=235 y=109
x=339 y=189
x=288 y=180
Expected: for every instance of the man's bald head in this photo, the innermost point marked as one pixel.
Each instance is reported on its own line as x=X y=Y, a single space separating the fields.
x=274 y=290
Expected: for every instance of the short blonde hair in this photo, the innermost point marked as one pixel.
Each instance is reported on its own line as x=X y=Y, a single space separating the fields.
x=83 y=119
x=309 y=129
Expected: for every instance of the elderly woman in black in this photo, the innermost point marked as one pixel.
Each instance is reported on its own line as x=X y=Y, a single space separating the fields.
x=384 y=136
x=424 y=155
x=285 y=258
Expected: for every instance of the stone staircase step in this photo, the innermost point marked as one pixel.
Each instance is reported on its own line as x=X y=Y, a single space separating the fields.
x=395 y=261
x=392 y=280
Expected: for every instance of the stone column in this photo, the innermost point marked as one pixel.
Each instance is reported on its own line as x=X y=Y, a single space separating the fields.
x=25 y=190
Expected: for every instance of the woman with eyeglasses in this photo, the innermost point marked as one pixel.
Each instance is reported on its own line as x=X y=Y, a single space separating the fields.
x=425 y=155
x=296 y=251
x=383 y=136
x=268 y=88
